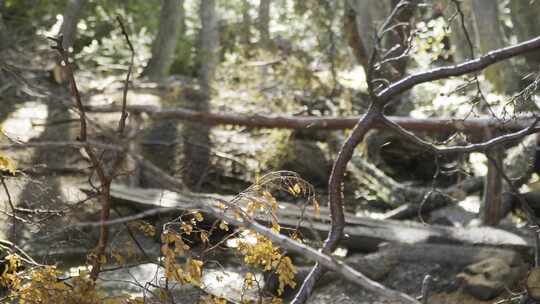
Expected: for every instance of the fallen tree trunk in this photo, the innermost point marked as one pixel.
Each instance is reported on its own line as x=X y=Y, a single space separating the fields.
x=471 y=125
x=363 y=234
x=395 y=194
x=410 y=201
x=378 y=265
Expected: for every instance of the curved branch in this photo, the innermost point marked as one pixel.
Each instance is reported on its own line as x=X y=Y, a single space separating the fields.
x=336 y=200
x=457 y=70
x=483 y=146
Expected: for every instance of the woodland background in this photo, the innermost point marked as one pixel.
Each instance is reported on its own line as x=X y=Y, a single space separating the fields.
x=266 y=151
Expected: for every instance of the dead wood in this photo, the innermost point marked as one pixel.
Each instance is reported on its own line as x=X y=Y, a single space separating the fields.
x=434 y=125
x=363 y=234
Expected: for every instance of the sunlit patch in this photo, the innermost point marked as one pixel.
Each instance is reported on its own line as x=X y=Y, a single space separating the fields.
x=230 y=285
x=54 y=30
x=340 y=252
x=478 y=163
x=354 y=79
x=471 y=204
x=245 y=237
x=26 y=122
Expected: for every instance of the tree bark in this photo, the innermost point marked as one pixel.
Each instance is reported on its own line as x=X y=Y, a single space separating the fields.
x=3 y=29
x=196 y=135
x=72 y=14
x=362 y=19
x=245 y=35
x=263 y=23
x=502 y=75
x=364 y=234
x=164 y=46
x=526 y=26
x=460 y=46
x=209 y=45
x=428 y=125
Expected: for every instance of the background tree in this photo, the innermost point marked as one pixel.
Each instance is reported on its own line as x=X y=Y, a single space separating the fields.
x=459 y=42
x=171 y=26
x=526 y=26
x=71 y=16
x=3 y=29
x=489 y=36
x=263 y=23
x=197 y=136
x=367 y=16
x=245 y=36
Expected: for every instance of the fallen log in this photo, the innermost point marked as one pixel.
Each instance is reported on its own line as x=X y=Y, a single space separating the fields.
x=362 y=234
x=471 y=125
x=378 y=265
x=407 y=200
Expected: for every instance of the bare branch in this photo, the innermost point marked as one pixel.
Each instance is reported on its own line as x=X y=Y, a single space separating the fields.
x=460 y=69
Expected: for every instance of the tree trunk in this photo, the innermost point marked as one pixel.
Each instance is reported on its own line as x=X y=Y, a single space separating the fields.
x=3 y=29
x=526 y=25
x=197 y=136
x=209 y=45
x=263 y=23
x=164 y=46
x=72 y=13
x=245 y=35
x=362 y=20
x=460 y=45
x=490 y=37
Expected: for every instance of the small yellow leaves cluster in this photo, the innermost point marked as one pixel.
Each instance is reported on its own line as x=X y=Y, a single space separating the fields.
x=145 y=227
x=43 y=286
x=223 y=225
x=198 y=216
x=295 y=190
x=212 y=300
x=7 y=164
x=262 y=253
x=117 y=256
x=186 y=228
x=173 y=246
x=92 y=258
x=249 y=279
x=9 y=277
x=169 y=238
x=285 y=271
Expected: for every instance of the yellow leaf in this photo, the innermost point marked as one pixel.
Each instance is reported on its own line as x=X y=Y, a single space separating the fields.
x=7 y=164
x=187 y=228
x=120 y=260
x=317 y=208
x=297 y=188
x=224 y=226
x=199 y=217
x=204 y=237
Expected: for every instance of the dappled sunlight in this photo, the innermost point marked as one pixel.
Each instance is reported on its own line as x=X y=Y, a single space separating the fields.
x=27 y=121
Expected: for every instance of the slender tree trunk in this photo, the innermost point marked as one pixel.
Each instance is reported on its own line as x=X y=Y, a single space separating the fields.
x=245 y=36
x=3 y=29
x=526 y=25
x=490 y=37
x=209 y=45
x=197 y=136
x=263 y=23
x=72 y=13
x=461 y=47
x=362 y=19
x=164 y=46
